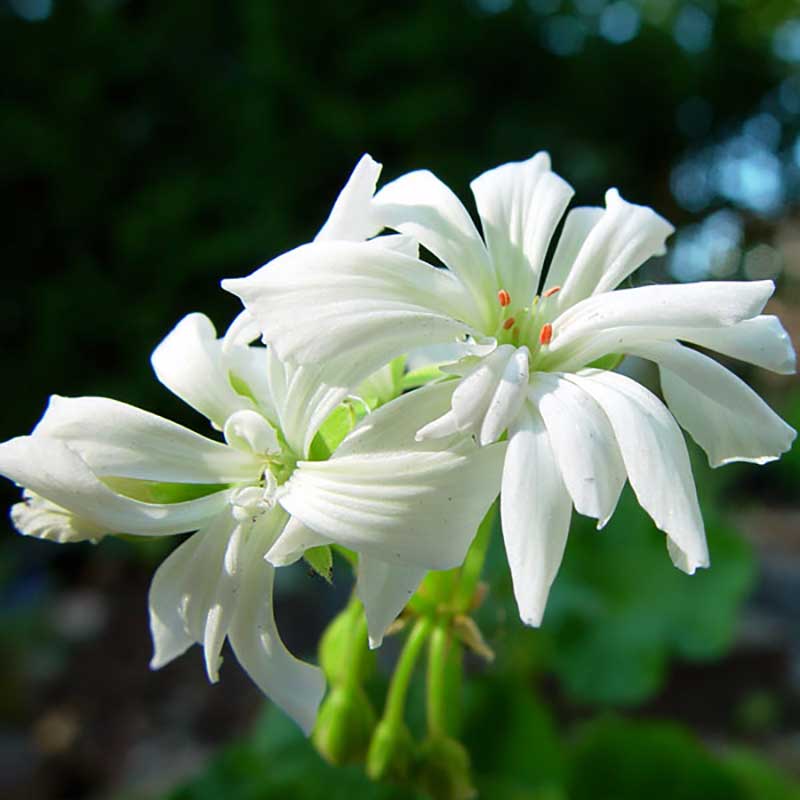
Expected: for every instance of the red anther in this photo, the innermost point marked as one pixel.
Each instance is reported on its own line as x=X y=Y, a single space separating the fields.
x=546 y=334
x=504 y=298
x=508 y=323
x=552 y=291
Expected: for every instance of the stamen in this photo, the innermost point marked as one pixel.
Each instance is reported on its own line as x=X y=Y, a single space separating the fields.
x=550 y=292
x=546 y=334
x=509 y=323
x=504 y=298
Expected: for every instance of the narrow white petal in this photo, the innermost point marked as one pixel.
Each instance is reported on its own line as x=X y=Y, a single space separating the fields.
x=420 y=205
x=656 y=460
x=351 y=307
x=486 y=398
x=241 y=332
x=611 y=322
x=294 y=540
x=577 y=226
x=301 y=399
x=617 y=245
x=293 y=685
x=384 y=589
x=762 y=341
x=584 y=445
x=52 y=470
x=507 y=398
x=353 y=217
x=190 y=363
x=520 y=205
x=535 y=509
x=120 y=440
x=721 y=412
x=401 y=501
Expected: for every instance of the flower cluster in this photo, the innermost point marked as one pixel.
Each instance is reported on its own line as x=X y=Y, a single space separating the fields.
x=330 y=438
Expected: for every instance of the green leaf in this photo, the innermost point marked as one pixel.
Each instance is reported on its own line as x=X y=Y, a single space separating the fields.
x=320 y=559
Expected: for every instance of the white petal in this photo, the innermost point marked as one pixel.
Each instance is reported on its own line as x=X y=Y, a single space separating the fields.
x=583 y=443
x=656 y=460
x=120 y=440
x=610 y=322
x=535 y=509
x=420 y=205
x=293 y=685
x=384 y=590
x=353 y=217
x=762 y=341
x=50 y=469
x=301 y=399
x=520 y=205
x=351 y=307
x=249 y=432
x=398 y=500
x=40 y=518
x=486 y=398
x=577 y=226
x=295 y=539
x=190 y=363
x=617 y=245
x=507 y=398
x=241 y=332
x=721 y=412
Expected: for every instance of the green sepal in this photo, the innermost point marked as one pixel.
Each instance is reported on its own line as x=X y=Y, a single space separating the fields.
x=607 y=362
x=161 y=492
x=421 y=376
x=320 y=559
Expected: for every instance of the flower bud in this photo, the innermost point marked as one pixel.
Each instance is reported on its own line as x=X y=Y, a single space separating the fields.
x=444 y=769
x=390 y=752
x=344 y=726
x=336 y=644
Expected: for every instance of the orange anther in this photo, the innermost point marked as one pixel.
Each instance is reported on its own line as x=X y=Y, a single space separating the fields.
x=552 y=291
x=508 y=323
x=546 y=334
x=504 y=298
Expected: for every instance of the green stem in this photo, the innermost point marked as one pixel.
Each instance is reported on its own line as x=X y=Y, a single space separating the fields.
x=437 y=680
x=398 y=688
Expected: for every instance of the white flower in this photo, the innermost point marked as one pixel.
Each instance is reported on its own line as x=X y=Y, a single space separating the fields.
x=575 y=433
x=95 y=466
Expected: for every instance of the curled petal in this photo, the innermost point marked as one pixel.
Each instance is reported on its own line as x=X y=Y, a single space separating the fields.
x=618 y=244
x=721 y=412
x=50 y=469
x=120 y=440
x=656 y=461
x=353 y=217
x=584 y=445
x=190 y=363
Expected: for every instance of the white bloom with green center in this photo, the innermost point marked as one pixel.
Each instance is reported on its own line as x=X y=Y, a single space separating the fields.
x=95 y=466
x=575 y=432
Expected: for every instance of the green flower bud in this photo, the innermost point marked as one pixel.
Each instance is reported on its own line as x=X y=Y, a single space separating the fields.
x=444 y=769
x=391 y=752
x=336 y=644
x=344 y=726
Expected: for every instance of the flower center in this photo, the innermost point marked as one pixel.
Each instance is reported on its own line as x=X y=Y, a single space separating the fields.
x=527 y=325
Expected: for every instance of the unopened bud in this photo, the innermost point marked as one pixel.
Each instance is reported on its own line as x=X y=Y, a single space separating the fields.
x=391 y=752
x=344 y=726
x=444 y=769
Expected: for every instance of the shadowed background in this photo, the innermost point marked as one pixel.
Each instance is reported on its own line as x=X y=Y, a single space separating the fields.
x=150 y=149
